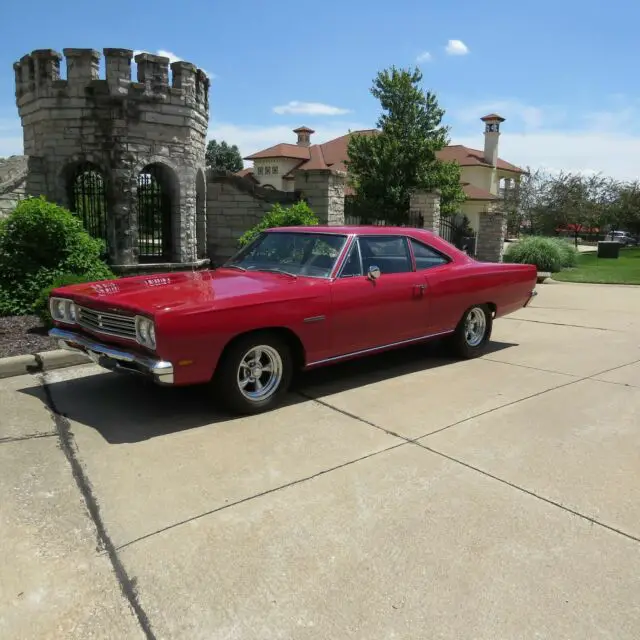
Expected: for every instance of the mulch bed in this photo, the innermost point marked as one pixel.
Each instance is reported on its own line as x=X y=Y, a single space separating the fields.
x=23 y=335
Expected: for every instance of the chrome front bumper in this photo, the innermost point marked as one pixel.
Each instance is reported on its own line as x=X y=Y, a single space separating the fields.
x=115 y=359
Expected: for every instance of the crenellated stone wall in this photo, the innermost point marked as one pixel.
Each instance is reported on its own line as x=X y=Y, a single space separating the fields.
x=121 y=127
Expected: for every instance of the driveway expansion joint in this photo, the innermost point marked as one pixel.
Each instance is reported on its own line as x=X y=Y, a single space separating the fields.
x=67 y=444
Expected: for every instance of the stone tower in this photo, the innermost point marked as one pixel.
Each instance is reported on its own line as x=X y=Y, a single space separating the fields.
x=128 y=157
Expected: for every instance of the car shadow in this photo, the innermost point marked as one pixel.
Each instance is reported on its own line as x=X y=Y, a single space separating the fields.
x=128 y=409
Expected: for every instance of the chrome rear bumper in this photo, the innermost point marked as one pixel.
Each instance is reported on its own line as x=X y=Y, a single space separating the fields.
x=115 y=359
x=532 y=295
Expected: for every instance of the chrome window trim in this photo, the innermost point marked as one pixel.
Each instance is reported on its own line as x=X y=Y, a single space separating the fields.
x=355 y=242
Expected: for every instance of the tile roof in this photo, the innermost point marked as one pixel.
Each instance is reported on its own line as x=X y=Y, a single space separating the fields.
x=477 y=193
x=333 y=154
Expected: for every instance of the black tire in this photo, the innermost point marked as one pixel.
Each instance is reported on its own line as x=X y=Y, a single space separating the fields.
x=227 y=379
x=467 y=345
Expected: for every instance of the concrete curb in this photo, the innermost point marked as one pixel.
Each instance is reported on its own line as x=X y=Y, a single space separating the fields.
x=43 y=361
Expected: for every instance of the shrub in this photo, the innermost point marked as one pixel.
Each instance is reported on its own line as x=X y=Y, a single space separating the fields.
x=41 y=305
x=548 y=254
x=296 y=215
x=40 y=242
x=568 y=252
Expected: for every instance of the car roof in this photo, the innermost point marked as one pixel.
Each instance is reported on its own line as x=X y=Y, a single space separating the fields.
x=370 y=230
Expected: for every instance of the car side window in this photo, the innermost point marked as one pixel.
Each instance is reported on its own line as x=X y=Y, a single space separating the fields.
x=389 y=253
x=425 y=256
x=353 y=264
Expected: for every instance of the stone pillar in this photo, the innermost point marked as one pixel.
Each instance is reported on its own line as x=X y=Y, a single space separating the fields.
x=426 y=204
x=491 y=230
x=324 y=191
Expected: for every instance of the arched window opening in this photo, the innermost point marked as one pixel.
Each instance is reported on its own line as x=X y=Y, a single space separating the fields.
x=88 y=198
x=155 y=203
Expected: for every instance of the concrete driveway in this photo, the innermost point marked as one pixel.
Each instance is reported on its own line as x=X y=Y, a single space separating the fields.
x=405 y=496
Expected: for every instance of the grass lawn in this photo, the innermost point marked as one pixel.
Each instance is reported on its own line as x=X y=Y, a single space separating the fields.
x=624 y=270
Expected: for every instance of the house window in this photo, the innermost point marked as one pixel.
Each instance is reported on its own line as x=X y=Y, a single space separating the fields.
x=274 y=170
x=267 y=171
x=260 y=171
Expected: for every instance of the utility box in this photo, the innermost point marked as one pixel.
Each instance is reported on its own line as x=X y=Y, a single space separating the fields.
x=608 y=249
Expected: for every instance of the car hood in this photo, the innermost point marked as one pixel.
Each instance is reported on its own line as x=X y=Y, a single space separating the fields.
x=187 y=289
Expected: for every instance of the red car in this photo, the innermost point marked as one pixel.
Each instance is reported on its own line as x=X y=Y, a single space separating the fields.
x=296 y=298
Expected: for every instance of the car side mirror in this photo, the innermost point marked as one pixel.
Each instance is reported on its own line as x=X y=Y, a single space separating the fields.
x=374 y=272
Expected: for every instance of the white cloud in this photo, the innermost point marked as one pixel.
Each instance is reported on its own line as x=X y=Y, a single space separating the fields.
x=309 y=109
x=172 y=58
x=425 y=56
x=456 y=48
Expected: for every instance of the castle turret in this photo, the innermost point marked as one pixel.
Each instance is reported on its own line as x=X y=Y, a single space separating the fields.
x=104 y=141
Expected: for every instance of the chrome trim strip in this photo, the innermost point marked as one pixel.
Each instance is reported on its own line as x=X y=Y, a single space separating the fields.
x=380 y=348
x=160 y=370
x=314 y=319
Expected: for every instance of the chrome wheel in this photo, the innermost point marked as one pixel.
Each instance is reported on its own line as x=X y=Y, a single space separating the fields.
x=475 y=327
x=260 y=373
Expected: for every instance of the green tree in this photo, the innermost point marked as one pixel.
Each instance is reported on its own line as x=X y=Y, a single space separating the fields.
x=384 y=169
x=222 y=156
x=625 y=212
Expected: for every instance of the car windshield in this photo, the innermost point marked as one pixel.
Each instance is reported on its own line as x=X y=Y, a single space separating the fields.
x=294 y=253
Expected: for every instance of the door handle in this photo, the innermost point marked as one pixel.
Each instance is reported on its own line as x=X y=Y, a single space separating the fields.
x=419 y=288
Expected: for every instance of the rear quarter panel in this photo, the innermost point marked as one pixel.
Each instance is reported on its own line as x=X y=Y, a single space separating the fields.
x=454 y=288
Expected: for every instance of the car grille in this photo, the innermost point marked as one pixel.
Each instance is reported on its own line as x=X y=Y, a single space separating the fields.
x=111 y=324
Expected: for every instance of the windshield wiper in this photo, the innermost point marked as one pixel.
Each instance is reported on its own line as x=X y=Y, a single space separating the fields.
x=274 y=270
x=234 y=266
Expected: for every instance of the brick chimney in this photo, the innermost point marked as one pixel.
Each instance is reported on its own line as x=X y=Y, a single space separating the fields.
x=304 y=136
x=491 y=137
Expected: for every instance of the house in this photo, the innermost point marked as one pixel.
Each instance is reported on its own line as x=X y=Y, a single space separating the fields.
x=484 y=174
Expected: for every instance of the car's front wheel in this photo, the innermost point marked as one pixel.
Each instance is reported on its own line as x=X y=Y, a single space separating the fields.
x=254 y=373
x=473 y=332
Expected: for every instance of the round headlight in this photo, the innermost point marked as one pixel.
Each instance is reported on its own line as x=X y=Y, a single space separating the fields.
x=72 y=311
x=152 y=336
x=59 y=309
x=144 y=330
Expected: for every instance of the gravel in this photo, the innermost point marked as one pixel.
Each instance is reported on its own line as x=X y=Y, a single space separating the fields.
x=23 y=335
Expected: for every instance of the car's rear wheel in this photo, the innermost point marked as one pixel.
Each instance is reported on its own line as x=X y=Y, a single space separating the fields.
x=254 y=373
x=473 y=332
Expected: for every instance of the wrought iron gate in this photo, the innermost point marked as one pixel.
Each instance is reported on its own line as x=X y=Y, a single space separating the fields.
x=154 y=216
x=88 y=199
x=458 y=233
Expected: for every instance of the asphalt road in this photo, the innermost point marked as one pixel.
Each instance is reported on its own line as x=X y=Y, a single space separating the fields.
x=404 y=496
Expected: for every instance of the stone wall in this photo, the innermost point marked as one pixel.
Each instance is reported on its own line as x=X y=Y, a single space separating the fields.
x=121 y=127
x=234 y=205
x=491 y=232
x=323 y=189
x=427 y=205
x=13 y=183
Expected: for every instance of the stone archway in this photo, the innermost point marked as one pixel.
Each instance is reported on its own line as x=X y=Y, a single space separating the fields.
x=157 y=198
x=87 y=197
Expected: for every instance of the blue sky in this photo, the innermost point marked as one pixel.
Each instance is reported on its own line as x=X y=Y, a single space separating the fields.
x=564 y=74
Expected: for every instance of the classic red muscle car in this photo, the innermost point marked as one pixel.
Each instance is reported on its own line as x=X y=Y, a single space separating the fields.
x=295 y=298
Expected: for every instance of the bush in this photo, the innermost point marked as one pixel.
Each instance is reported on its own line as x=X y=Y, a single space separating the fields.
x=296 y=215
x=40 y=242
x=568 y=252
x=41 y=305
x=548 y=254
